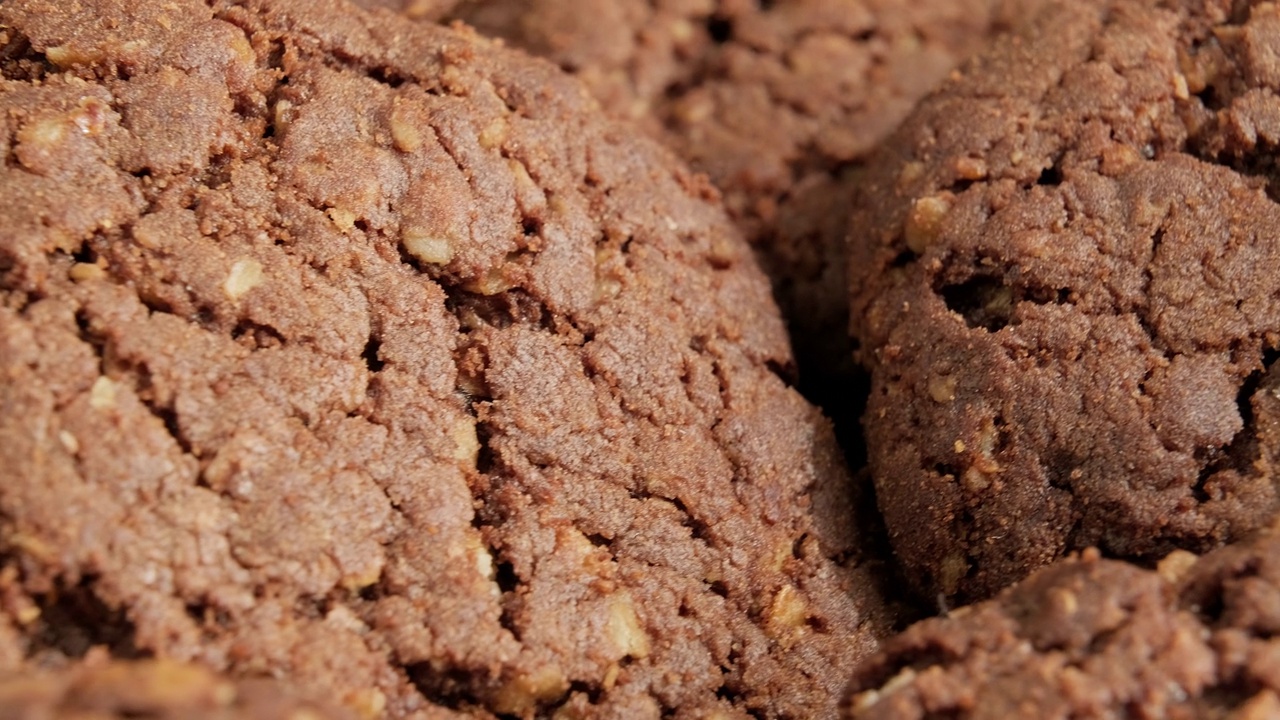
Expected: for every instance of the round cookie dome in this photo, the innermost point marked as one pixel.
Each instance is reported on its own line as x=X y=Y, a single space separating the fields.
x=1062 y=280
x=368 y=356
x=778 y=102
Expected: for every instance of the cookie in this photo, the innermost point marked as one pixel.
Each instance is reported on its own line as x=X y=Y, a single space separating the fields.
x=1064 y=283
x=778 y=102
x=369 y=356
x=416 y=9
x=1092 y=638
x=104 y=689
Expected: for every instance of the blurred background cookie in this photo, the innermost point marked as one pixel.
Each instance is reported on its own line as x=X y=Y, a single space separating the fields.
x=100 y=688
x=778 y=102
x=1088 y=637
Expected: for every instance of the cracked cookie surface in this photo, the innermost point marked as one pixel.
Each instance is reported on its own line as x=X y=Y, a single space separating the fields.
x=778 y=102
x=1063 y=280
x=1094 y=638
x=366 y=355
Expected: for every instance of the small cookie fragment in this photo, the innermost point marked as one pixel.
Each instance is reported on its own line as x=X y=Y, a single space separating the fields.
x=1064 y=262
x=1093 y=638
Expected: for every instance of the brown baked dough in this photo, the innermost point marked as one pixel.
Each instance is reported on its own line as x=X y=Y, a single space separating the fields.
x=367 y=355
x=415 y=9
x=1066 y=283
x=105 y=689
x=777 y=101
x=1094 y=638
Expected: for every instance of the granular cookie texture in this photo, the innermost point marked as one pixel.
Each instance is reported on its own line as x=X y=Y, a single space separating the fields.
x=775 y=101
x=416 y=9
x=1094 y=638
x=105 y=689
x=366 y=355
x=1065 y=281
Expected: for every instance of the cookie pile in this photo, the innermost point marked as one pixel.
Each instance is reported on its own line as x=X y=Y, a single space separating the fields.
x=434 y=358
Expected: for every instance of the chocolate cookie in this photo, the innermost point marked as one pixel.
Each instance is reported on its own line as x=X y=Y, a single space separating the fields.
x=1065 y=283
x=416 y=9
x=1093 y=638
x=367 y=355
x=776 y=101
x=104 y=689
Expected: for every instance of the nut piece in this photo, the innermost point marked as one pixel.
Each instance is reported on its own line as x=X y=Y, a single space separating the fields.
x=899 y=681
x=427 y=248
x=83 y=272
x=282 y=116
x=695 y=108
x=364 y=578
x=483 y=560
x=866 y=700
x=65 y=57
x=404 y=132
x=911 y=172
x=609 y=264
x=468 y=445
x=103 y=393
x=494 y=134
x=343 y=218
x=1180 y=89
x=787 y=615
x=368 y=703
x=975 y=480
x=492 y=281
x=69 y=441
x=1117 y=158
x=942 y=388
x=925 y=221
x=971 y=168
x=1174 y=566
x=91 y=116
x=27 y=614
x=521 y=695
x=623 y=627
x=245 y=275
x=38 y=139
x=1064 y=602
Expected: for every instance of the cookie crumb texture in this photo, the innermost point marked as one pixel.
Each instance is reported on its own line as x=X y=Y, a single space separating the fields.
x=415 y=9
x=776 y=101
x=1065 y=282
x=103 y=689
x=366 y=356
x=1094 y=638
